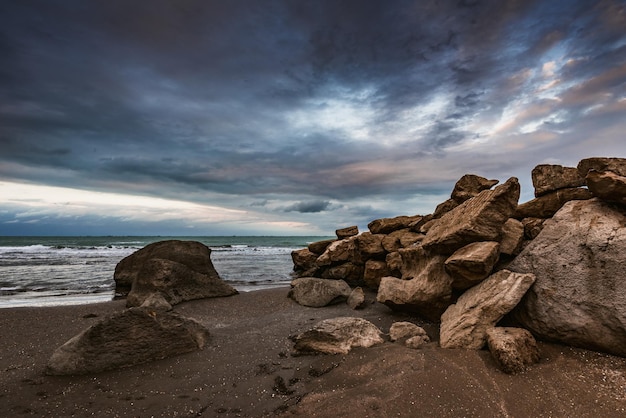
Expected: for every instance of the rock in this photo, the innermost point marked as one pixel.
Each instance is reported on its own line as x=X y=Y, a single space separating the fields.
x=394 y=264
x=547 y=205
x=464 y=324
x=350 y=272
x=356 y=300
x=319 y=247
x=338 y=336
x=371 y=245
x=403 y=330
x=401 y=238
x=532 y=227
x=548 y=178
x=578 y=258
x=512 y=237
x=425 y=287
x=607 y=186
x=133 y=336
x=175 y=282
x=339 y=251
x=417 y=342
x=513 y=349
x=472 y=264
x=374 y=271
x=314 y=292
x=478 y=219
x=303 y=259
x=470 y=185
x=388 y=225
x=195 y=255
x=348 y=232
x=444 y=207
x=156 y=301
x=601 y=164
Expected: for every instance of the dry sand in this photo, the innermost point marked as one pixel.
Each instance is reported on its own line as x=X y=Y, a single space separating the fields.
x=247 y=370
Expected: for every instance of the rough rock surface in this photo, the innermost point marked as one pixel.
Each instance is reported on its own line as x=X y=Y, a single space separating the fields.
x=339 y=251
x=175 y=282
x=350 y=272
x=304 y=259
x=547 y=205
x=470 y=185
x=319 y=247
x=133 y=336
x=602 y=164
x=156 y=301
x=472 y=264
x=356 y=300
x=478 y=219
x=607 y=186
x=578 y=258
x=388 y=225
x=315 y=292
x=195 y=255
x=403 y=330
x=548 y=178
x=347 y=232
x=375 y=270
x=338 y=336
x=371 y=245
x=464 y=324
x=512 y=237
x=425 y=287
x=513 y=349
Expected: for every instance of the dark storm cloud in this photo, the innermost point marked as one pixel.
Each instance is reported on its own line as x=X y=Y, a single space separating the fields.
x=310 y=100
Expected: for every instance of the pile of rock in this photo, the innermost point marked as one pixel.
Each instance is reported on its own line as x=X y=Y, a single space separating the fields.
x=474 y=259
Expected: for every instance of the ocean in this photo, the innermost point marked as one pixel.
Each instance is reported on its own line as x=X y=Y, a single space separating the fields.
x=49 y=271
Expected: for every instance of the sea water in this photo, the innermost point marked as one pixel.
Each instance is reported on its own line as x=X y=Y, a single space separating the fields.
x=48 y=271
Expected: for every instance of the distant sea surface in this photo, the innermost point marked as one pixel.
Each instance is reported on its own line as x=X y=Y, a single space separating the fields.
x=48 y=271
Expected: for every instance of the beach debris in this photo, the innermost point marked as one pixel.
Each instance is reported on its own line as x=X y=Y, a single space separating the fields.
x=356 y=300
x=130 y=337
x=513 y=349
x=316 y=293
x=338 y=336
x=464 y=324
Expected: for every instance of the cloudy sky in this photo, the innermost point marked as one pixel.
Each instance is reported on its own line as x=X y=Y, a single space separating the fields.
x=289 y=117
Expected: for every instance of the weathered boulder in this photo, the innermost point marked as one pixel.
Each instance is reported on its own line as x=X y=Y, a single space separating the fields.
x=512 y=237
x=338 y=336
x=425 y=287
x=371 y=245
x=478 y=219
x=319 y=247
x=175 y=282
x=350 y=272
x=513 y=349
x=472 y=264
x=347 y=232
x=417 y=342
x=464 y=324
x=375 y=270
x=578 y=258
x=547 y=205
x=339 y=252
x=315 y=292
x=195 y=255
x=394 y=264
x=356 y=300
x=388 y=225
x=400 y=239
x=303 y=260
x=601 y=164
x=133 y=336
x=548 y=178
x=470 y=185
x=532 y=227
x=403 y=330
x=607 y=186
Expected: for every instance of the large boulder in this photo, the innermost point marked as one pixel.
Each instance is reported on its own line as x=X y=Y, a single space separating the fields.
x=371 y=245
x=318 y=247
x=579 y=297
x=339 y=251
x=303 y=260
x=195 y=255
x=133 y=336
x=470 y=185
x=425 y=287
x=549 y=177
x=347 y=232
x=472 y=264
x=375 y=270
x=314 y=292
x=388 y=225
x=607 y=186
x=338 y=336
x=176 y=282
x=513 y=349
x=465 y=324
x=548 y=204
x=602 y=164
x=478 y=219
x=350 y=272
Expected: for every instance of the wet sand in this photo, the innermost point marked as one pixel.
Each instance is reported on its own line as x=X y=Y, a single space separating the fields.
x=247 y=370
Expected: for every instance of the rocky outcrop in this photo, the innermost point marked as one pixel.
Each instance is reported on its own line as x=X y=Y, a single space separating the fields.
x=578 y=259
x=133 y=336
x=465 y=324
x=549 y=178
x=513 y=349
x=338 y=336
x=314 y=292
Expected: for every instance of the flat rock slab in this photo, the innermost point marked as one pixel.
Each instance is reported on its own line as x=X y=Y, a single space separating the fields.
x=316 y=293
x=338 y=336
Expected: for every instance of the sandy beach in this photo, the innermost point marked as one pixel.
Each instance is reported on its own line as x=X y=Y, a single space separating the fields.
x=247 y=370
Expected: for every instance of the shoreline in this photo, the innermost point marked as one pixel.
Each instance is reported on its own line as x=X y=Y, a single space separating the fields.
x=246 y=370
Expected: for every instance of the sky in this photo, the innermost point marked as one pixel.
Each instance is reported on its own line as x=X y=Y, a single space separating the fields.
x=291 y=117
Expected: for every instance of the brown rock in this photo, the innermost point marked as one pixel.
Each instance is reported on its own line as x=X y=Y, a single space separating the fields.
x=402 y=330
x=388 y=225
x=320 y=246
x=394 y=264
x=338 y=336
x=374 y=271
x=601 y=164
x=444 y=208
x=532 y=227
x=470 y=185
x=472 y=264
x=547 y=205
x=303 y=259
x=356 y=300
x=513 y=349
x=478 y=219
x=512 y=237
x=347 y=232
x=371 y=245
x=607 y=186
x=316 y=293
x=340 y=251
x=350 y=272
x=548 y=178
